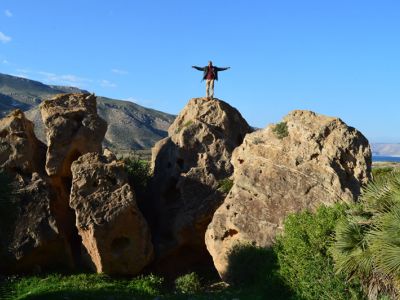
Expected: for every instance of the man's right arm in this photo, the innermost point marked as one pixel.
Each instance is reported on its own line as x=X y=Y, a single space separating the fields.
x=198 y=68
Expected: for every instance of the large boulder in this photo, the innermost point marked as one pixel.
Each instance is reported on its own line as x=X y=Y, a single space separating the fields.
x=189 y=168
x=20 y=150
x=299 y=164
x=73 y=129
x=113 y=230
x=38 y=242
x=32 y=239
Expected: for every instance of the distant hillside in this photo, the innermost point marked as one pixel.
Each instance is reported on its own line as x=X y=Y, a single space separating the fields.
x=383 y=149
x=130 y=126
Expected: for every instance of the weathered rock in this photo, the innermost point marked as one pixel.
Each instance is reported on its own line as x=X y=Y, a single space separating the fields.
x=113 y=230
x=20 y=150
x=320 y=161
x=37 y=243
x=188 y=167
x=73 y=129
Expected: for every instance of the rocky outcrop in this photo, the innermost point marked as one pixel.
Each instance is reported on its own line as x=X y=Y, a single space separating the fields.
x=305 y=161
x=30 y=232
x=73 y=129
x=113 y=230
x=37 y=243
x=20 y=150
x=189 y=167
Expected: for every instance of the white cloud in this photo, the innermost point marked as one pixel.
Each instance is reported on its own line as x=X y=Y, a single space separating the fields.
x=5 y=61
x=4 y=38
x=119 y=72
x=19 y=75
x=68 y=79
x=8 y=13
x=108 y=84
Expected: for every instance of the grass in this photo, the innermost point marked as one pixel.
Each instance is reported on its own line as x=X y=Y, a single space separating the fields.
x=98 y=286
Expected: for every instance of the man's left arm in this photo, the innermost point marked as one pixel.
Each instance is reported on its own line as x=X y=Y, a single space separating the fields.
x=221 y=69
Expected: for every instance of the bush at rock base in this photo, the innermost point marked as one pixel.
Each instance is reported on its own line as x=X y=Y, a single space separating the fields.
x=139 y=174
x=305 y=262
x=188 y=284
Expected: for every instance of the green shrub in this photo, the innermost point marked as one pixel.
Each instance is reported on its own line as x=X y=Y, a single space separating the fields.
x=281 y=130
x=304 y=258
x=147 y=285
x=367 y=245
x=225 y=185
x=188 y=284
x=378 y=172
x=139 y=174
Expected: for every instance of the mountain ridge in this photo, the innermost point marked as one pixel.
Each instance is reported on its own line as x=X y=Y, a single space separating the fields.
x=130 y=125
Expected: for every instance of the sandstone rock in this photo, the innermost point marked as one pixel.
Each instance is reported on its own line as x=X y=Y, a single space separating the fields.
x=73 y=129
x=113 y=230
x=188 y=168
x=37 y=243
x=320 y=161
x=20 y=150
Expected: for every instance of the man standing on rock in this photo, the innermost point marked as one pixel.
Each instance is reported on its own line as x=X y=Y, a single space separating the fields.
x=210 y=73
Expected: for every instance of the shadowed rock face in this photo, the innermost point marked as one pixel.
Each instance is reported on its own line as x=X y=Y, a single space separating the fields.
x=73 y=129
x=188 y=167
x=320 y=161
x=20 y=150
x=113 y=230
x=36 y=241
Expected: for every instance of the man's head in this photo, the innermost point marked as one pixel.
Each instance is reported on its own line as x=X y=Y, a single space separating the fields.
x=210 y=63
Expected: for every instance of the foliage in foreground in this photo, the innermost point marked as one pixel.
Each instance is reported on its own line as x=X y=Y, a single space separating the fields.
x=368 y=241
x=305 y=263
x=84 y=286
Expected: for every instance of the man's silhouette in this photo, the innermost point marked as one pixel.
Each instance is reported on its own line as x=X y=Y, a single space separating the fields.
x=210 y=73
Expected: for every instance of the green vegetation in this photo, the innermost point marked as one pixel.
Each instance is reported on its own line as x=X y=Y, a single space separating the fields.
x=188 y=284
x=281 y=130
x=367 y=243
x=139 y=174
x=339 y=252
x=225 y=185
x=187 y=124
x=305 y=262
x=381 y=172
x=84 y=286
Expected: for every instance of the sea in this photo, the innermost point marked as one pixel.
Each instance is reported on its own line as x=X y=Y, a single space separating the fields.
x=386 y=158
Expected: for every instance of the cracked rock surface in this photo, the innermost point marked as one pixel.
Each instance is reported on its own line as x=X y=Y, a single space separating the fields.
x=315 y=160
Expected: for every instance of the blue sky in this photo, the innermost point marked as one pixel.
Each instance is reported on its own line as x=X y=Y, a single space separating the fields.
x=340 y=58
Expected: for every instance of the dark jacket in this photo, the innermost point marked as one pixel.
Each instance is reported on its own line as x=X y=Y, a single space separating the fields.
x=205 y=71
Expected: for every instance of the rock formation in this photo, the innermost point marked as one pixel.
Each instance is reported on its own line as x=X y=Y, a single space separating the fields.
x=189 y=167
x=38 y=243
x=73 y=129
x=20 y=150
x=305 y=161
x=113 y=230
x=34 y=240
